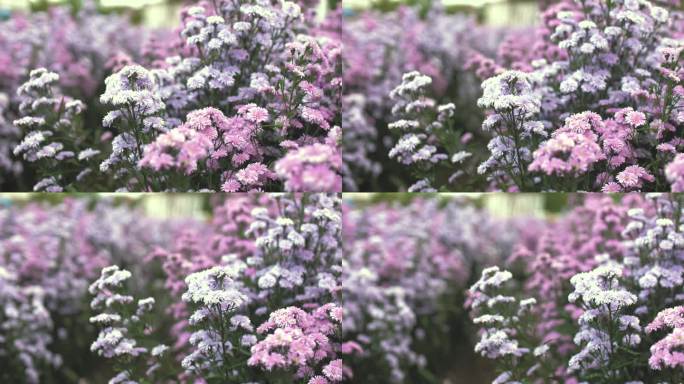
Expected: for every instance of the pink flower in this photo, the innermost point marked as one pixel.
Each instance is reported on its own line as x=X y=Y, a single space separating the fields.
x=584 y=123
x=670 y=317
x=333 y=371
x=567 y=153
x=312 y=168
x=188 y=145
x=298 y=339
x=312 y=91
x=208 y=121
x=314 y=116
x=666 y=147
x=253 y=113
x=611 y=187
x=634 y=176
x=636 y=119
x=318 y=380
x=254 y=175
x=350 y=347
x=231 y=185
x=631 y=117
x=667 y=352
x=674 y=172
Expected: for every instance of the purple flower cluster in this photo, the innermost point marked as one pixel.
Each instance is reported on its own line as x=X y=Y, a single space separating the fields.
x=253 y=294
x=261 y=284
x=616 y=56
x=251 y=91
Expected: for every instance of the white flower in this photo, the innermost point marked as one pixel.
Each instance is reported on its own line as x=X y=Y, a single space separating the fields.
x=488 y=319
x=291 y=9
x=267 y=281
x=248 y=340
x=87 y=153
x=660 y=14
x=105 y=318
x=460 y=156
x=159 y=350
x=569 y=85
x=541 y=350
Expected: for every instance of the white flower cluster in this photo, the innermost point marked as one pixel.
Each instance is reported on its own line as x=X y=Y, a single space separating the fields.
x=134 y=97
x=215 y=289
x=510 y=91
x=46 y=115
x=605 y=304
x=656 y=245
x=422 y=123
x=216 y=295
x=502 y=318
x=117 y=338
x=600 y=288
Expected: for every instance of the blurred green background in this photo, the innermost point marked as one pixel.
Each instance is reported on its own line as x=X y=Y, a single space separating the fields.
x=198 y=205
x=156 y=205
x=499 y=204
x=152 y=13
x=489 y=12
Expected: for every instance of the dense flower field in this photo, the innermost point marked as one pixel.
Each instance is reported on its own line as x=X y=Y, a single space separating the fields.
x=313 y=289
x=600 y=302
x=243 y=96
x=101 y=294
x=592 y=296
x=590 y=100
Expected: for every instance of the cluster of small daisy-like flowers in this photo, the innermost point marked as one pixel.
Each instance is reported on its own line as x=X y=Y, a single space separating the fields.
x=136 y=115
x=503 y=321
x=514 y=104
x=666 y=353
x=420 y=123
x=624 y=267
x=76 y=46
x=585 y=143
x=301 y=340
x=388 y=45
x=280 y=93
x=627 y=141
x=48 y=255
x=606 y=327
x=51 y=132
x=275 y=303
x=315 y=167
x=217 y=297
x=124 y=323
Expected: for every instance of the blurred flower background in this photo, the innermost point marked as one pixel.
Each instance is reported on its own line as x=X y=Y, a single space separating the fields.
x=151 y=13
